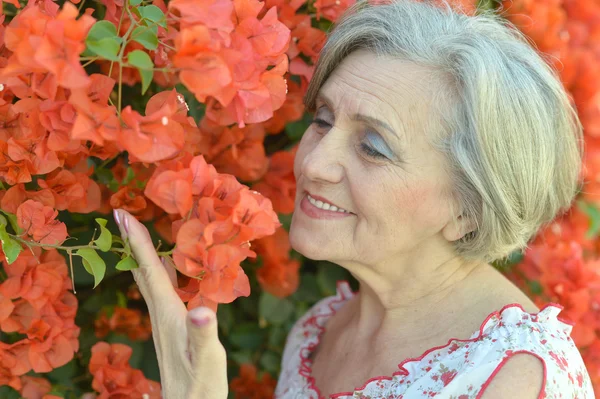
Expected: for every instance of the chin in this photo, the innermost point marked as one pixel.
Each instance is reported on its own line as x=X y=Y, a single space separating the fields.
x=306 y=245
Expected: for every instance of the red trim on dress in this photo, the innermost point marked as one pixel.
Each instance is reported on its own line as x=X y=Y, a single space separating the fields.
x=542 y=394
x=305 y=369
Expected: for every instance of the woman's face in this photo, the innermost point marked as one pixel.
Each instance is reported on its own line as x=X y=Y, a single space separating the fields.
x=367 y=152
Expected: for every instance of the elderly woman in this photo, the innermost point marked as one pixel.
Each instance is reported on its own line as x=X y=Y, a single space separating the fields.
x=440 y=142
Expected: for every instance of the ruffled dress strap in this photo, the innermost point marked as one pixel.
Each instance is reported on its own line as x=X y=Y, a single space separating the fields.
x=464 y=369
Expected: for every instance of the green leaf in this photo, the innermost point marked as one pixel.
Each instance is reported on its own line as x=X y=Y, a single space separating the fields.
x=104 y=242
x=295 y=130
x=154 y=14
x=3 y=221
x=12 y=219
x=270 y=361
x=7 y=392
x=141 y=60
x=135 y=2
x=328 y=276
x=93 y=264
x=594 y=215
x=146 y=36
x=247 y=336
x=121 y=300
x=273 y=309
x=127 y=263
x=107 y=48
x=10 y=247
x=241 y=357
x=102 y=30
x=129 y=175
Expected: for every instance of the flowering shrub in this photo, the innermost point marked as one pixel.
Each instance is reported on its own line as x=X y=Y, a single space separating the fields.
x=186 y=113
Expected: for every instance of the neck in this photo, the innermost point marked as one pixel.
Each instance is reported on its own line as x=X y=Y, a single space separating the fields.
x=398 y=304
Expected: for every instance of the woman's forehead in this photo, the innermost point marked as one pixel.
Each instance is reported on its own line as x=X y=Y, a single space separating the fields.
x=366 y=80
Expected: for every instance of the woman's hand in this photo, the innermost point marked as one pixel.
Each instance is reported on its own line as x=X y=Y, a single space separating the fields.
x=191 y=359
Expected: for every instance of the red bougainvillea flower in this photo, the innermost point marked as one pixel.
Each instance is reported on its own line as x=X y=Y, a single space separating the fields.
x=42 y=310
x=17 y=194
x=332 y=9
x=221 y=217
x=63 y=41
x=124 y=321
x=237 y=151
x=35 y=387
x=43 y=42
x=114 y=377
x=279 y=184
x=279 y=273
x=38 y=221
x=173 y=185
x=291 y=110
x=156 y=136
x=249 y=386
x=230 y=64
x=129 y=199
x=96 y=120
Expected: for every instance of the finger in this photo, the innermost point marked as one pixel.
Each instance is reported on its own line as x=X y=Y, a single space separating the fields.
x=151 y=276
x=208 y=357
x=170 y=268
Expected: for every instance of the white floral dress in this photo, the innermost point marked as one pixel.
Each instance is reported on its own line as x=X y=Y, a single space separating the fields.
x=461 y=369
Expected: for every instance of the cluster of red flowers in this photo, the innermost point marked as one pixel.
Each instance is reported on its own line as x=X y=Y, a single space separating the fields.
x=562 y=263
x=36 y=308
x=248 y=385
x=115 y=378
x=219 y=217
x=130 y=322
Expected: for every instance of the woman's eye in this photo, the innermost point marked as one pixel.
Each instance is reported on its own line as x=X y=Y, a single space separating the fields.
x=321 y=123
x=371 y=152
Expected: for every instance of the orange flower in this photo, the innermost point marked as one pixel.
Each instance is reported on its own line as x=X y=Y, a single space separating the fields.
x=35 y=387
x=279 y=184
x=38 y=221
x=153 y=137
x=237 y=151
x=59 y=48
x=17 y=194
x=47 y=42
x=128 y=198
x=114 y=377
x=124 y=321
x=248 y=386
x=291 y=110
x=95 y=120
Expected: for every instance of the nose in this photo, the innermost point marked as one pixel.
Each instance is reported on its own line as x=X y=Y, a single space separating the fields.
x=324 y=162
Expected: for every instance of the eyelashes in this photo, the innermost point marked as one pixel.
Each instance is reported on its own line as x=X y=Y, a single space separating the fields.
x=365 y=149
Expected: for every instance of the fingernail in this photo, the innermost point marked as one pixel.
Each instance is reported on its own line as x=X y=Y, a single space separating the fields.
x=126 y=224
x=116 y=216
x=163 y=260
x=201 y=321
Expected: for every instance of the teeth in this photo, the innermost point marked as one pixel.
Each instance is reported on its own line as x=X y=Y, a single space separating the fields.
x=325 y=205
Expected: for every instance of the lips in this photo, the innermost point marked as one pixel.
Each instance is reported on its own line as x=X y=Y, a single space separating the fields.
x=323 y=199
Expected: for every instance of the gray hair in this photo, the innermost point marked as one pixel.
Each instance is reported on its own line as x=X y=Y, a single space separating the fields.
x=514 y=143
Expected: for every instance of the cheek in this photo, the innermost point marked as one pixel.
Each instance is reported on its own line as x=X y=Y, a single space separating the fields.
x=303 y=149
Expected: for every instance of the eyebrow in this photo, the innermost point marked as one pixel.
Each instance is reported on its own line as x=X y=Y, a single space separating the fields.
x=364 y=118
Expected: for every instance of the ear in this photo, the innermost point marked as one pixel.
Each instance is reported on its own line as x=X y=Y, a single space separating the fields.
x=458 y=227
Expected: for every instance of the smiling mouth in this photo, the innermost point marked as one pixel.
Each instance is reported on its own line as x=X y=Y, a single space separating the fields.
x=324 y=205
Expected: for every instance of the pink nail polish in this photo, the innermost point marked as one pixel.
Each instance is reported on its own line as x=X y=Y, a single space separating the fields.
x=116 y=216
x=126 y=224
x=201 y=322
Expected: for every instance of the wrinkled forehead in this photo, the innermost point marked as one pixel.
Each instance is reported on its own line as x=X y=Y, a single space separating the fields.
x=403 y=94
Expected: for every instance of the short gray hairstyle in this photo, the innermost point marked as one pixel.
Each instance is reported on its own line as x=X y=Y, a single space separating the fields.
x=514 y=143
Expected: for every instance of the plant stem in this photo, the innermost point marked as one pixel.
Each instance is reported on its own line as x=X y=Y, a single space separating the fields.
x=37 y=244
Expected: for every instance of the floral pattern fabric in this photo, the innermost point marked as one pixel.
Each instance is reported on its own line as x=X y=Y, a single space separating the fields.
x=461 y=369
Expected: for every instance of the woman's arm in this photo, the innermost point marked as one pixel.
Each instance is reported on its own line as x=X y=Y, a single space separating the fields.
x=522 y=376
